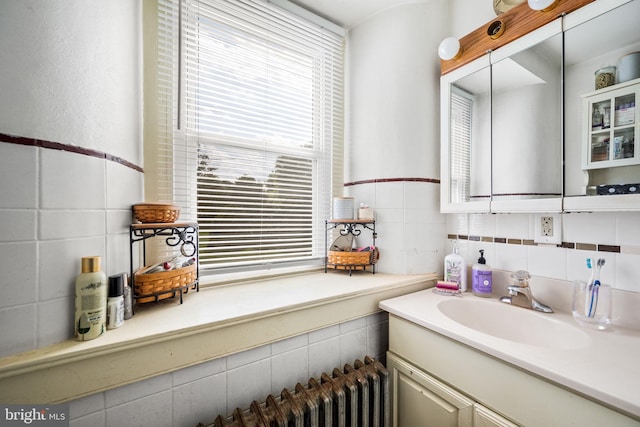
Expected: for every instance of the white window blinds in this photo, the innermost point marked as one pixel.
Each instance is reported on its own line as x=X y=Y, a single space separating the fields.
x=461 y=116
x=258 y=131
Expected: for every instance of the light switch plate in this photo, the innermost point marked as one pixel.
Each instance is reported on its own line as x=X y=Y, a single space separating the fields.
x=548 y=228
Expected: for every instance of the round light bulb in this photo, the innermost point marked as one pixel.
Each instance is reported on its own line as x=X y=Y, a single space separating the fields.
x=543 y=5
x=449 y=48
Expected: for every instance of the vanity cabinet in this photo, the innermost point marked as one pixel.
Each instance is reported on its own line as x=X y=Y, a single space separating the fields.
x=421 y=400
x=435 y=376
x=611 y=126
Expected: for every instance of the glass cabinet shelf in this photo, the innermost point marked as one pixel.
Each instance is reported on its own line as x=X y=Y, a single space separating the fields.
x=611 y=126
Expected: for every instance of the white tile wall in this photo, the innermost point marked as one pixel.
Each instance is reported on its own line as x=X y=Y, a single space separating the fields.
x=596 y=228
x=56 y=207
x=410 y=227
x=200 y=393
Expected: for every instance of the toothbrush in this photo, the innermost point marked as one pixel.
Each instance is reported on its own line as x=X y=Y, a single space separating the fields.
x=594 y=290
x=589 y=287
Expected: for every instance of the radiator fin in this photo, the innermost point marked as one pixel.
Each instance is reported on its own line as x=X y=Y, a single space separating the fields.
x=355 y=396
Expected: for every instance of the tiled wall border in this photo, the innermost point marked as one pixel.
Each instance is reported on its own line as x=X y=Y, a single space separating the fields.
x=378 y=180
x=528 y=242
x=32 y=142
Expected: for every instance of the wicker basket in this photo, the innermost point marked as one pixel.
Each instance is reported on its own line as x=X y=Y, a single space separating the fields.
x=155 y=212
x=151 y=287
x=342 y=260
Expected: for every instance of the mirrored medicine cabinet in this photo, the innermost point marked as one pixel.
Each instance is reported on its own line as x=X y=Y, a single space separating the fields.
x=513 y=121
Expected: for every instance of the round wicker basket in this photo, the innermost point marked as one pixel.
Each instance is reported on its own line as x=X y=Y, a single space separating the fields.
x=155 y=212
x=150 y=287
x=343 y=260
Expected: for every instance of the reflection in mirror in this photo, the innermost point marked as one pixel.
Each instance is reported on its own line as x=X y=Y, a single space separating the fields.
x=527 y=123
x=589 y=47
x=470 y=138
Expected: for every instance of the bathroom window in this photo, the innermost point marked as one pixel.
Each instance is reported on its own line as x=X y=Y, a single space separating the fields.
x=461 y=116
x=253 y=145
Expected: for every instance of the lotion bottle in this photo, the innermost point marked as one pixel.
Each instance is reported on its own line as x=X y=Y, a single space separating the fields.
x=91 y=300
x=455 y=269
x=481 y=277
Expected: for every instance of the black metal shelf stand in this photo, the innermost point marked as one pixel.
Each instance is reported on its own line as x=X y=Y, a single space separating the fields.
x=184 y=234
x=349 y=226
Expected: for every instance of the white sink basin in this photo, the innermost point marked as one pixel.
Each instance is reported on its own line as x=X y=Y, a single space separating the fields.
x=514 y=323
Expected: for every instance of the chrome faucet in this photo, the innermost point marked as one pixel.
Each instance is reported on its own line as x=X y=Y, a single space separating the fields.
x=520 y=293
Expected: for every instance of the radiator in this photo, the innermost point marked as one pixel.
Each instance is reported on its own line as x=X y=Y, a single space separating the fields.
x=356 y=396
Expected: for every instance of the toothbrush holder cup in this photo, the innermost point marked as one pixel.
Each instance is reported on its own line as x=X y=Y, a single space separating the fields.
x=592 y=305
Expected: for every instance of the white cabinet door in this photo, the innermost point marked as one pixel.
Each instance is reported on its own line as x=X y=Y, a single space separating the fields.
x=484 y=417
x=420 y=400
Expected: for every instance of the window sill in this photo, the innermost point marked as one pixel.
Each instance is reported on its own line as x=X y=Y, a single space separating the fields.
x=213 y=323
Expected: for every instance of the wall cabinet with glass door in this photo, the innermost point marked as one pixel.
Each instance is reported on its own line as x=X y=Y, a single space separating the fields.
x=611 y=126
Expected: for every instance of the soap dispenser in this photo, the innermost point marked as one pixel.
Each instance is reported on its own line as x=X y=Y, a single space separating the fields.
x=481 y=277
x=455 y=270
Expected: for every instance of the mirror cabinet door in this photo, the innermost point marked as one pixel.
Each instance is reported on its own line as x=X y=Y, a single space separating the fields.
x=526 y=78
x=466 y=138
x=602 y=164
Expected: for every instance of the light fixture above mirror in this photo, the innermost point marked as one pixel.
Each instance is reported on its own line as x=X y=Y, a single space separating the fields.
x=449 y=49
x=543 y=5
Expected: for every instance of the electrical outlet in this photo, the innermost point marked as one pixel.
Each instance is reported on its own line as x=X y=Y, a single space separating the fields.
x=548 y=228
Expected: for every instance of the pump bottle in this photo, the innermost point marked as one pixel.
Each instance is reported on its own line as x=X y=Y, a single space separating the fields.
x=481 y=277
x=455 y=269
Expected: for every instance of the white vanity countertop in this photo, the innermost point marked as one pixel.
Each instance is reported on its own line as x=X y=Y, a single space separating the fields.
x=606 y=368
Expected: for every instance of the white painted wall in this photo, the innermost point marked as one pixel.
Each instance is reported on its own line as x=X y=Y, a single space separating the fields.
x=71 y=75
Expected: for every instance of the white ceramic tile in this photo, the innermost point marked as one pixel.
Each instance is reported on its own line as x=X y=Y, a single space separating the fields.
x=288 y=369
x=628 y=228
x=200 y=401
x=418 y=196
x=289 y=344
x=55 y=321
x=124 y=186
x=86 y=405
x=324 y=356
x=118 y=221
x=353 y=345
x=18 y=176
x=249 y=356
x=598 y=228
x=60 y=264
x=117 y=260
x=248 y=383
x=423 y=261
x=547 y=262
x=577 y=264
x=364 y=193
x=389 y=216
x=511 y=257
x=353 y=325
x=457 y=224
x=389 y=195
x=197 y=372
x=19 y=274
x=512 y=225
x=96 y=419
x=381 y=316
x=153 y=410
x=70 y=224
x=17 y=339
x=377 y=339
x=324 y=334
x=71 y=181
x=136 y=391
x=627 y=277
x=17 y=225
x=482 y=225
